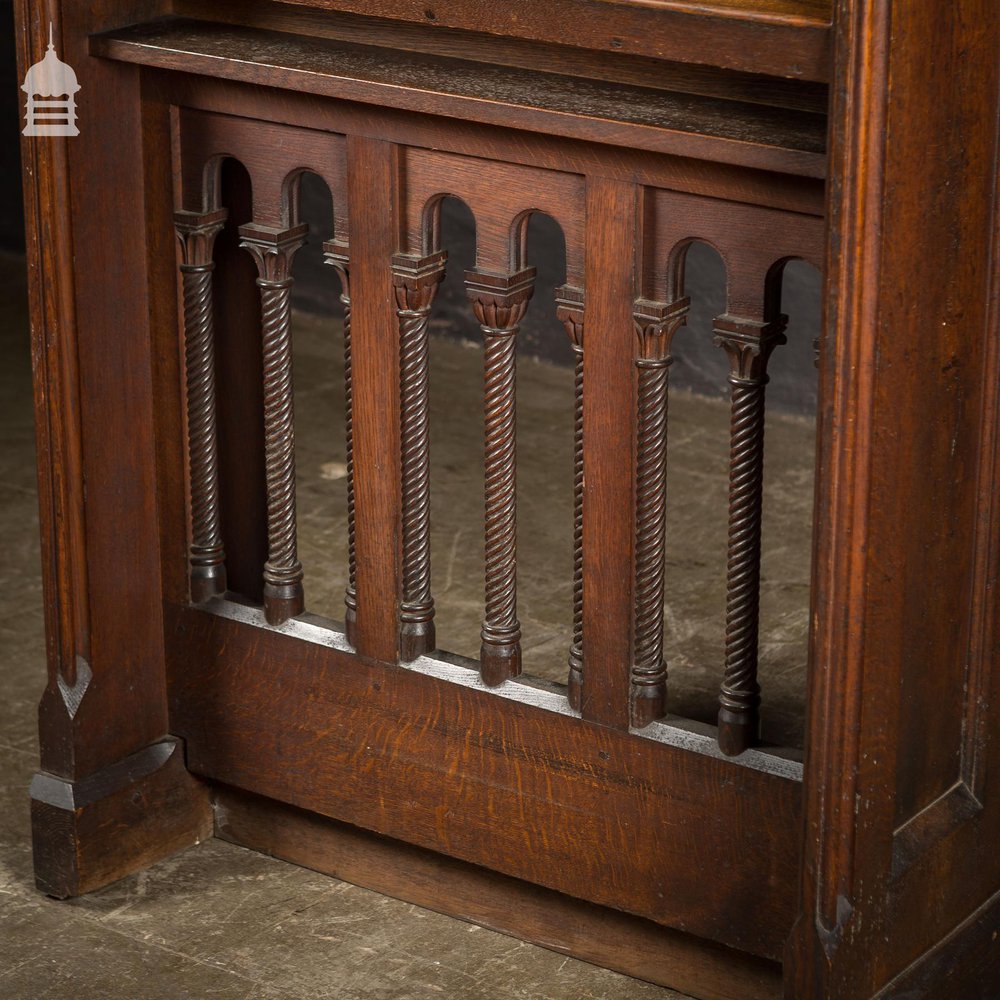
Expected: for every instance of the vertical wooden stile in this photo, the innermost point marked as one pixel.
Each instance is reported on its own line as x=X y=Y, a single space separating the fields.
x=609 y=405
x=372 y=182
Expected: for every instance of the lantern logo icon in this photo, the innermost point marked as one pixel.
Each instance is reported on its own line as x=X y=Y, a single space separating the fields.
x=51 y=86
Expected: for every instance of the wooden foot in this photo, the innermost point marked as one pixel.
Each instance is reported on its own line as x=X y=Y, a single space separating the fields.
x=94 y=831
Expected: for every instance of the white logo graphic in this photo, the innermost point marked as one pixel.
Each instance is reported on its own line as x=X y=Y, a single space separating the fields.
x=51 y=85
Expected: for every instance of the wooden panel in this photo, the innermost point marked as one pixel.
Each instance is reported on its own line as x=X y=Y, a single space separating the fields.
x=784 y=37
x=595 y=934
x=618 y=114
x=551 y=56
x=274 y=155
x=617 y=819
x=500 y=196
x=755 y=187
x=902 y=823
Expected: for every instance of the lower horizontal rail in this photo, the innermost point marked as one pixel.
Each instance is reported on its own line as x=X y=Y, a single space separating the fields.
x=686 y=734
x=596 y=934
x=515 y=784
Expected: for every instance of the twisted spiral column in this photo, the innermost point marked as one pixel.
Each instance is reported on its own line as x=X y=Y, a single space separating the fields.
x=416 y=281
x=655 y=325
x=206 y=558
x=749 y=345
x=336 y=255
x=273 y=251
x=499 y=302
x=569 y=311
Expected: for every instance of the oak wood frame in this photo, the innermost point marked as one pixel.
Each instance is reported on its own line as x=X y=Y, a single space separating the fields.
x=875 y=641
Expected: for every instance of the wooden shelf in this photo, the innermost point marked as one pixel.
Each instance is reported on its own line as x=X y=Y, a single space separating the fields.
x=787 y=140
x=789 y=38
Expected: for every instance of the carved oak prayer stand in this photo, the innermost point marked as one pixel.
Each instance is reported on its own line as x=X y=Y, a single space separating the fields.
x=191 y=691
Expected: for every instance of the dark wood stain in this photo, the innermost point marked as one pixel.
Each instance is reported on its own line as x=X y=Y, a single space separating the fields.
x=638 y=126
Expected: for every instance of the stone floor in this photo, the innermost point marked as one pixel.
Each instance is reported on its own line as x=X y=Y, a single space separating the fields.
x=219 y=921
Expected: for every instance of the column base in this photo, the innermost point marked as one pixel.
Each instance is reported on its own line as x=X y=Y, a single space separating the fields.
x=499 y=662
x=649 y=703
x=207 y=582
x=283 y=601
x=574 y=684
x=738 y=731
x=416 y=639
x=351 y=618
x=91 y=832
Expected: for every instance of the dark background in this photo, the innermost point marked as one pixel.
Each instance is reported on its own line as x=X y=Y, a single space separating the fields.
x=11 y=207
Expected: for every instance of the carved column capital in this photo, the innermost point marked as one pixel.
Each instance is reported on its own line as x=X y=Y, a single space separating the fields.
x=500 y=301
x=415 y=280
x=748 y=344
x=196 y=232
x=337 y=255
x=655 y=326
x=272 y=250
x=569 y=312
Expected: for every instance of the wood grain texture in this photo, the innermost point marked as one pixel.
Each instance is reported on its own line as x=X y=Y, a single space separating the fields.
x=716 y=180
x=783 y=37
x=374 y=238
x=611 y=66
x=899 y=806
x=608 y=462
x=901 y=468
x=104 y=655
x=751 y=135
x=116 y=821
x=595 y=934
x=621 y=820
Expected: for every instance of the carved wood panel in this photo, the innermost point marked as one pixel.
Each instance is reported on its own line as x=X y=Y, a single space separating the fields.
x=631 y=302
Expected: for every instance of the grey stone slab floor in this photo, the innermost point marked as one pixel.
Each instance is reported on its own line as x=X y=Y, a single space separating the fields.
x=219 y=921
